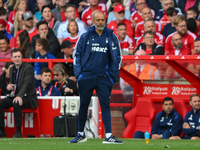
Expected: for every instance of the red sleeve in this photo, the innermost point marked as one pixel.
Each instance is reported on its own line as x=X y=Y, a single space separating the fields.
x=139 y=41
x=10 y=17
x=132 y=45
x=13 y=42
x=130 y=30
x=84 y=18
x=167 y=44
x=137 y=31
x=77 y=14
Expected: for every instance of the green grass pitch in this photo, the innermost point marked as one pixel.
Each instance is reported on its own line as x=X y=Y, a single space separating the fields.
x=94 y=144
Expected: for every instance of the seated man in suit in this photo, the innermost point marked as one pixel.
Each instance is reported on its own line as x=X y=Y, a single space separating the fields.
x=22 y=89
x=167 y=123
x=191 y=125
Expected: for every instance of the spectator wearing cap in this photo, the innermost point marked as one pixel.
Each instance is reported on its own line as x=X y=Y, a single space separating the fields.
x=5 y=33
x=66 y=53
x=72 y=28
x=120 y=18
x=50 y=19
x=27 y=19
x=47 y=33
x=111 y=16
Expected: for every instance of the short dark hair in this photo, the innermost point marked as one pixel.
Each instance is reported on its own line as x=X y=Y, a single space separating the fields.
x=69 y=5
x=15 y=50
x=2 y=11
x=171 y=11
x=193 y=9
x=197 y=39
x=115 y=1
x=45 y=6
x=46 y=70
x=40 y=23
x=121 y=24
x=43 y=42
x=191 y=25
x=148 y=32
x=168 y=99
x=193 y=95
x=5 y=38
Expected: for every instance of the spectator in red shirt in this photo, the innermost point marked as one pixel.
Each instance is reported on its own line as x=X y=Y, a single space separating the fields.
x=93 y=5
x=27 y=18
x=72 y=28
x=120 y=18
x=127 y=43
x=149 y=45
x=179 y=48
x=136 y=16
x=19 y=5
x=187 y=36
x=146 y=14
x=149 y=25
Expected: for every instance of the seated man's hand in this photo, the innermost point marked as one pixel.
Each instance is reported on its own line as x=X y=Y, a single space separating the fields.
x=18 y=99
x=156 y=136
x=186 y=125
x=10 y=87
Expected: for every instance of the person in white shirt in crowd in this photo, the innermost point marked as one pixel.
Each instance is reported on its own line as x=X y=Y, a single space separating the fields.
x=71 y=15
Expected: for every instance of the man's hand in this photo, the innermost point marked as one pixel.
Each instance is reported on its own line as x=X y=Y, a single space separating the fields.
x=68 y=90
x=73 y=78
x=134 y=23
x=38 y=77
x=186 y=125
x=10 y=87
x=156 y=136
x=18 y=99
x=43 y=35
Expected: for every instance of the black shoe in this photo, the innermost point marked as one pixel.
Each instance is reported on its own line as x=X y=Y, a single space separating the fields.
x=2 y=134
x=18 y=134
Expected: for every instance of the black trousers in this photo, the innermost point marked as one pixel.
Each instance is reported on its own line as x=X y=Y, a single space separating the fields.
x=7 y=103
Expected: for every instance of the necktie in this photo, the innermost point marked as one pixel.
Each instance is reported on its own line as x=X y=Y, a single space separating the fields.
x=138 y=71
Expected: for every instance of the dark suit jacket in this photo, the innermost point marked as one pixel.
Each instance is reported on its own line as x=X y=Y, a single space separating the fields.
x=25 y=83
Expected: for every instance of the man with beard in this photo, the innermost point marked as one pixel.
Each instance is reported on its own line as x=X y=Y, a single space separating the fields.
x=93 y=5
x=46 y=88
x=70 y=13
x=179 y=48
x=187 y=36
x=149 y=25
x=97 y=60
x=120 y=18
x=3 y=32
x=191 y=124
x=27 y=18
x=167 y=123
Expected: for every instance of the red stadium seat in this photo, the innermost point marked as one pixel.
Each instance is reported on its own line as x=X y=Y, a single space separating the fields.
x=180 y=107
x=29 y=110
x=140 y=118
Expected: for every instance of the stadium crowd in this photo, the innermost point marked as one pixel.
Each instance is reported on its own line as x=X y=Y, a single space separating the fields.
x=50 y=29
